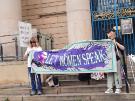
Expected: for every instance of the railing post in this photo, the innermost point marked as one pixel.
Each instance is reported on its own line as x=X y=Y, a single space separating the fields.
x=48 y=42
x=16 y=48
x=1 y=52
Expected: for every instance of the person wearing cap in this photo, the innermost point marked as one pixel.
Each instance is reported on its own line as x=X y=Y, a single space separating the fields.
x=115 y=77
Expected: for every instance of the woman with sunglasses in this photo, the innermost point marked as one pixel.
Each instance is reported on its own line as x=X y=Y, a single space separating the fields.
x=35 y=78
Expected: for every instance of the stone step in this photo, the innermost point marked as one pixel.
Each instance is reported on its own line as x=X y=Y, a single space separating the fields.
x=84 y=89
x=85 y=97
x=62 y=89
x=73 y=97
x=130 y=68
x=75 y=76
x=91 y=82
x=130 y=73
x=15 y=91
x=69 y=87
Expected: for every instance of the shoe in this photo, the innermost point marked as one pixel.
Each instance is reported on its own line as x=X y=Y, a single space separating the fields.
x=118 y=91
x=110 y=90
x=39 y=93
x=33 y=93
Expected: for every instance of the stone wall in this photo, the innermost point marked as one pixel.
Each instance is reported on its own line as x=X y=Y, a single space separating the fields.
x=49 y=16
x=13 y=73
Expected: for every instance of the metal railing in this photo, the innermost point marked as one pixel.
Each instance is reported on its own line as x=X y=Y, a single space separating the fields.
x=45 y=41
x=13 y=41
x=109 y=13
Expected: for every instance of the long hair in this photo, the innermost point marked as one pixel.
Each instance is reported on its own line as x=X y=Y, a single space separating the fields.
x=33 y=40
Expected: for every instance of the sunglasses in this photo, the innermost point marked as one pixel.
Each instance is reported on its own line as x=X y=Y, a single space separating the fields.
x=32 y=42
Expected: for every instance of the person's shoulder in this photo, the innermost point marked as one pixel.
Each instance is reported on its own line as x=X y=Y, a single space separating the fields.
x=28 y=48
x=118 y=39
x=39 y=47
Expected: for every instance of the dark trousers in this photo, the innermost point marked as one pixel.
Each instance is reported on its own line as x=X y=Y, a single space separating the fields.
x=35 y=80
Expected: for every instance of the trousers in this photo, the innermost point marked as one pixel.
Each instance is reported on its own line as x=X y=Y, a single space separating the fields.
x=115 y=78
x=35 y=80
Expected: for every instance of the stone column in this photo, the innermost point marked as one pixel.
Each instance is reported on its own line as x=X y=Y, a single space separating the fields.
x=79 y=20
x=10 y=14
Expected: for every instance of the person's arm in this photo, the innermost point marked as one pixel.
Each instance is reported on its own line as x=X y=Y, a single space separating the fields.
x=119 y=44
x=26 y=53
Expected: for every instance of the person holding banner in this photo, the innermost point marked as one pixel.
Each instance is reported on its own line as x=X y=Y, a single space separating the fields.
x=116 y=77
x=35 y=78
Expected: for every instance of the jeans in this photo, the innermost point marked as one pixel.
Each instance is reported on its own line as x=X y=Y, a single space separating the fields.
x=35 y=80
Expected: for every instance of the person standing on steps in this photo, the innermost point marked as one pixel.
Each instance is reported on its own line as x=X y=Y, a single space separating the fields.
x=116 y=77
x=34 y=78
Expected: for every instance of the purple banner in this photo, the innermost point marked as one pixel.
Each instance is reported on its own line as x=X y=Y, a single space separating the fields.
x=90 y=57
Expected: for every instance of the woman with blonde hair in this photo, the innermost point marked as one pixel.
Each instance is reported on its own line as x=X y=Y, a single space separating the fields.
x=35 y=78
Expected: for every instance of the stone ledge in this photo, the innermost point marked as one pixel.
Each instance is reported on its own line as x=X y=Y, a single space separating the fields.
x=13 y=63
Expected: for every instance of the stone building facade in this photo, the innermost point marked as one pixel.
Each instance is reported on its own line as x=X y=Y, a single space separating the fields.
x=66 y=21
x=49 y=17
x=58 y=17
